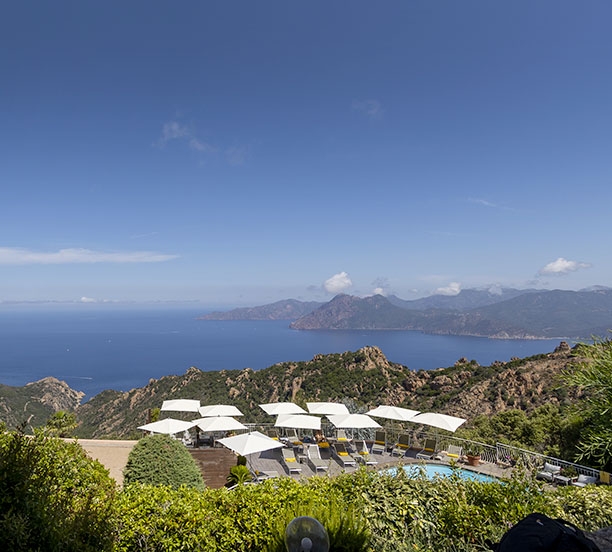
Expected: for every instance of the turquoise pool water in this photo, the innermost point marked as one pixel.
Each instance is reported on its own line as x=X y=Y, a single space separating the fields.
x=437 y=470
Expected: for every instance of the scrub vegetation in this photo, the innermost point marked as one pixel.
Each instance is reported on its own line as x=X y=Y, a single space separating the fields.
x=53 y=497
x=161 y=460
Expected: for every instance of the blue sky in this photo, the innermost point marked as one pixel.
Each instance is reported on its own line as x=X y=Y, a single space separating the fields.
x=243 y=152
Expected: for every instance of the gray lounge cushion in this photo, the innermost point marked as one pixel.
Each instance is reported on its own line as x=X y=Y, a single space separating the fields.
x=584 y=480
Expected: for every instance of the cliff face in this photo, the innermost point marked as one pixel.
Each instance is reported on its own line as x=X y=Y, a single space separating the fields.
x=34 y=403
x=365 y=378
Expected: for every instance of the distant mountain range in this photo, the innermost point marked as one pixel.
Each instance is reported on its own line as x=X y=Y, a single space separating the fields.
x=505 y=313
x=289 y=309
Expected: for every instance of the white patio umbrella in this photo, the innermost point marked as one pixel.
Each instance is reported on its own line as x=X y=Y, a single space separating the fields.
x=219 y=410
x=353 y=421
x=393 y=413
x=441 y=421
x=169 y=426
x=298 y=421
x=219 y=423
x=326 y=408
x=274 y=409
x=180 y=405
x=250 y=443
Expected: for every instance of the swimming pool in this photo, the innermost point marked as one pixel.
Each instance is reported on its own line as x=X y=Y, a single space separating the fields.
x=440 y=470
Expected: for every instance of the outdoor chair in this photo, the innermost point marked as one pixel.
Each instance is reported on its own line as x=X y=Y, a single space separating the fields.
x=343 y=456
x=263 y=475
x=548 y=472
x=341 y=435
x=402 y=445
x=315 y=460
x=291 y=462
x=451 y=451
x=187 y=440
x=293 y=439
x=273 y=434
x=584 y=480
x=428 y=451
x=380 y=442
x=363 y=455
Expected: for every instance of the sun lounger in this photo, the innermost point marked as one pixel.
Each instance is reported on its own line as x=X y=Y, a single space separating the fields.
x=315 y=460
x=454 y=452
x=343 y=456
x=402 y=446
x=187 y=440
x=584 y=480
x=428 y=451
x=263 y=475
x=380 y=442
x=341 y=435
x=293 y=439
x=273 y=434
x=548 y=472
x=291 y=462
x=363 y=455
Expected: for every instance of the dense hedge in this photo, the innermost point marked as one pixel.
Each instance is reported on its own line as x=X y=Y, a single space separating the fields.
x=53 y=496
x=394 y=513
x=161 y=460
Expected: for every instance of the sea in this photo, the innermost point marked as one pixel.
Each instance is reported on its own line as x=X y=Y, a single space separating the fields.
x=94 y=348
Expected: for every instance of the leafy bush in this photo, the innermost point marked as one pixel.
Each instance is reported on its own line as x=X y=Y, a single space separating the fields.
x=593 y=374
x=238 y=474
x=61 y=424
x=361 y=510
x=347 y=531
x=53 y=496
x=161 y=460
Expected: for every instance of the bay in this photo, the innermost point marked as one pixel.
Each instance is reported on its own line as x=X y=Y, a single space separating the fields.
x=95 y=348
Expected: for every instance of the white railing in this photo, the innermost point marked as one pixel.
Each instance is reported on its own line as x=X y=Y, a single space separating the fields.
x=511 y=455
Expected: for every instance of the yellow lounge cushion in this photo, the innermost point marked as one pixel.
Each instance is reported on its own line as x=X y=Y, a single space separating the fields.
x=343 y=454
x=290 y=459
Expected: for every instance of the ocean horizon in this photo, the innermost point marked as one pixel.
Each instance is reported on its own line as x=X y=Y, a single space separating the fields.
x=95 y=349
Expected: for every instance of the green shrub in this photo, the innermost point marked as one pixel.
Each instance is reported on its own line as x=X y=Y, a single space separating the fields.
x=380 y=511
x=161 y=460
x=238 y=474
x=346 y=529
x=53 y=496
x=61 y=424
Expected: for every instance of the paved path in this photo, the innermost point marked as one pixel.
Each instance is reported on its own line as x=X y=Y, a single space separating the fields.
x=112 y=454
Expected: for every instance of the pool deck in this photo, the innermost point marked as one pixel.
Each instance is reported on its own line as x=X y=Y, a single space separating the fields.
x=272 y=461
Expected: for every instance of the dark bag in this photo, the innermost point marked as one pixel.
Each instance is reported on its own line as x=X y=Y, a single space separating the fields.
x=539 y=533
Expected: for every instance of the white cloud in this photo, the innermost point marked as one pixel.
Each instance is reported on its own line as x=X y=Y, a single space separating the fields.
x=236 y=155
x=483 y=202
x=562 y=266
x=372 y=108
x=337 y=283
x=495 y=289
x=454 y=288
x=172 y=130
x=19 y=256
x=145 y=235
x=88 y=300
x=198 y=145
x=378 y=291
